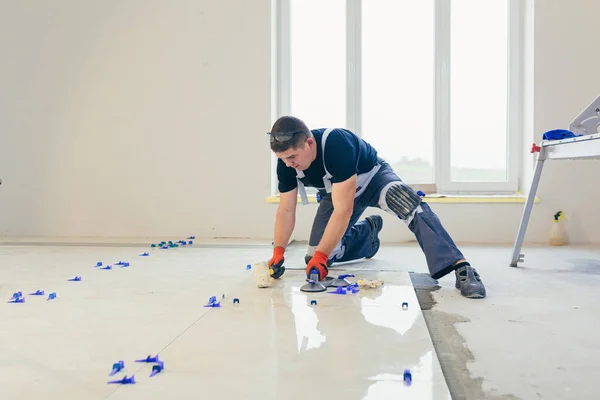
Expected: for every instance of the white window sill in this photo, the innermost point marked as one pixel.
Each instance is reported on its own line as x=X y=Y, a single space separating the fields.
x=445 y=198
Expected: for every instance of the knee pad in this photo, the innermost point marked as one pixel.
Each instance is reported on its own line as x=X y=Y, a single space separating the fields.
x=399 y=199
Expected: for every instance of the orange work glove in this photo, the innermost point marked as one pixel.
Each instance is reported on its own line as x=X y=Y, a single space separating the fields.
x=276 y=268
x=319 y=263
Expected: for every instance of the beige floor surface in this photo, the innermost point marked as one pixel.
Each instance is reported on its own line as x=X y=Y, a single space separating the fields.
x=273 y=344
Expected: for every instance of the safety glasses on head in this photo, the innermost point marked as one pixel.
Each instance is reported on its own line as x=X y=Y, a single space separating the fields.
x=282 y=137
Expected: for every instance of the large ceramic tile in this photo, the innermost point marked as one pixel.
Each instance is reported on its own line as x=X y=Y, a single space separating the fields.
x=355 y=346
x=65 y=347
x=192 y=386
x=49 y=382
x=263 y=386
x=272 y=344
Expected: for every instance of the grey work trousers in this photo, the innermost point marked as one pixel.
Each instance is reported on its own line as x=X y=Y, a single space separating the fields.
x=440 y=250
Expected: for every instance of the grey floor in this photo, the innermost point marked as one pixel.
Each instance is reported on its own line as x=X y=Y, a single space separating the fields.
x=534 y=337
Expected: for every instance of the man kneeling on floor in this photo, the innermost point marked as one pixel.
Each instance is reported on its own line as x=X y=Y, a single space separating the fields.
x=350 y=177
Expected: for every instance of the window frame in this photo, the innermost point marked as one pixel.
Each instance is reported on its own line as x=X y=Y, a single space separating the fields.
x=281 y=66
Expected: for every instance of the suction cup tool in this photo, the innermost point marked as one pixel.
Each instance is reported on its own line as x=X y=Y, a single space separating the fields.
x=313 y=284
x=328 y=281
x=341 y=280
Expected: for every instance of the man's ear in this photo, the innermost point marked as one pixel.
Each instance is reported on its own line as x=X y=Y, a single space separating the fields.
x=310 y=141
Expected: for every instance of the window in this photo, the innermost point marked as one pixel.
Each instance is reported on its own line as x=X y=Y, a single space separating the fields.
x=397 y=44
x=432 y=84
x=318 y=61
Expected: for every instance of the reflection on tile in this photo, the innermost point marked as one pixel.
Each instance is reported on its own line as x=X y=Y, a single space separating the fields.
x=359 y=345
x=308 y=335
x=387 y=384
x=375 y=314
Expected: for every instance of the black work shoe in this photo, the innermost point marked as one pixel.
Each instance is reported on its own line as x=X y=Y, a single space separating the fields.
x=469 y=282
x=376 y=223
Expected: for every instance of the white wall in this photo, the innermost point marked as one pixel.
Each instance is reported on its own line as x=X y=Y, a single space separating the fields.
x=566 y=80
x=147 y=119
x=134 y=118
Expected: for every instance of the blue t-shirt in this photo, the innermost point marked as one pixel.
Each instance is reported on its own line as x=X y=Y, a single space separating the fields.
x=345 y=155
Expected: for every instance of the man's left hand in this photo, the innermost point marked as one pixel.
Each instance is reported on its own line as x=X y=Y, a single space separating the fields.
x=319 y=263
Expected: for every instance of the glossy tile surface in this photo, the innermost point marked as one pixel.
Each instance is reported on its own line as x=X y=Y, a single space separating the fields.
x=273 y=344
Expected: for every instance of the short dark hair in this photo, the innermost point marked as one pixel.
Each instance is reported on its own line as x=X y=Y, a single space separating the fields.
x=290 y=125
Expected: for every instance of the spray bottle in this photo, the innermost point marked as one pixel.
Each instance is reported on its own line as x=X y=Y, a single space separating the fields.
x=558 y=236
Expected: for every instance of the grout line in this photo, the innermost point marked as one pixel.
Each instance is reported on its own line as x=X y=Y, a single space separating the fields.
x=165 y=347
x=142 y=365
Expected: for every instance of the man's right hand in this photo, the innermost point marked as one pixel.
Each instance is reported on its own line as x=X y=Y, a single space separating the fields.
x=276 y=268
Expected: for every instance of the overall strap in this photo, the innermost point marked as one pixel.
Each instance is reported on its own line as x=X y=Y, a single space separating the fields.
x=328 y=176
x=301 y=188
